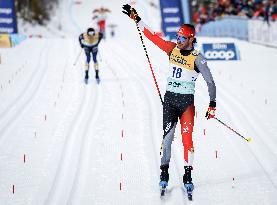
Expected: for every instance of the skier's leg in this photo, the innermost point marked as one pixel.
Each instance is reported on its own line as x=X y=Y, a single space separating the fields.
x=96 y=66
x=170 y=119
x=87 y=52
x=187 y=123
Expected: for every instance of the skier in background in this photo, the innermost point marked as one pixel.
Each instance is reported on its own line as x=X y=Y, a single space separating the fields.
x=101 y=16
x=112 y=29
x=185 y=64
x=89 y=41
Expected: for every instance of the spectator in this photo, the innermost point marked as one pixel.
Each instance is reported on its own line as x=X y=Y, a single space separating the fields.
x=205 y=11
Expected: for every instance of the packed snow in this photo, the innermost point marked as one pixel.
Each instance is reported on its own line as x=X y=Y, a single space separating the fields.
x=65 y=142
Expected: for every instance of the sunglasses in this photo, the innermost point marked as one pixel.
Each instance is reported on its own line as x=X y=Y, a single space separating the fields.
x=181 y=39
x=91 y=33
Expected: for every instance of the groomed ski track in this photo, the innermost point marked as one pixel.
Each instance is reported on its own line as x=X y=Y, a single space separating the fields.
x=99 y=144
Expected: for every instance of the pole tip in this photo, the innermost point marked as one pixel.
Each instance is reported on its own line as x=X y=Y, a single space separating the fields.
x=249 y=139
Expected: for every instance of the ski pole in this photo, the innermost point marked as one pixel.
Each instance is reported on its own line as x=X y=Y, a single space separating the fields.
x=150 y=65
x=78 y=57
x=247 y=139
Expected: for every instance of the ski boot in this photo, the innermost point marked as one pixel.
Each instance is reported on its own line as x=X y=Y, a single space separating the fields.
x=164 y=177
x=187 y=180
x=97 y=76
x=96 y=66
x=86 y=77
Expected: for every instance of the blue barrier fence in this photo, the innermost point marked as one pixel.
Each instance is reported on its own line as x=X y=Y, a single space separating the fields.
x=16 y=39
x=252 y=30
x=236 y=27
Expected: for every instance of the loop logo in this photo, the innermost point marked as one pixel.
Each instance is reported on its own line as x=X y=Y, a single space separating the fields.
x=220 y=51
x=224 y=55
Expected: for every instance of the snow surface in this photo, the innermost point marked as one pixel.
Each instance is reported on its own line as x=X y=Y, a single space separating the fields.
x=73 y=135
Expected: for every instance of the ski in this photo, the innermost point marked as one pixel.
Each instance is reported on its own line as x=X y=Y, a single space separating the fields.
x=190 y=196
x=97 y=76
x=86 y=80
x=163 y=191
x=189 y=188
x=86 y=77
x=163 y=185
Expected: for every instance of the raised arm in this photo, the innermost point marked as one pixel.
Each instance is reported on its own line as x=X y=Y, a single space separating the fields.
x=166 y=46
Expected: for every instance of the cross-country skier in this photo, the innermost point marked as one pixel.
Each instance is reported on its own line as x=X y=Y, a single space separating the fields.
x=185 y=64
x=89 y=41
x=101 y=16
x=112 y=28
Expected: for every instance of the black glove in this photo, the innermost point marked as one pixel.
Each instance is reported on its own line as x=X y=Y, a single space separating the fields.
x=211 y=110
x=131 y=12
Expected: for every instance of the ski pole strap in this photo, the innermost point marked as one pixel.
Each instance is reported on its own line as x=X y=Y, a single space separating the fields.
x=247 y=139
x=150 y=65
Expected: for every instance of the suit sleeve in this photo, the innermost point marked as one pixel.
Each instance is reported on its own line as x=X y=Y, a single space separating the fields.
x=166 y=46
x=203 y=68
x=100 y=37
x=81 y=37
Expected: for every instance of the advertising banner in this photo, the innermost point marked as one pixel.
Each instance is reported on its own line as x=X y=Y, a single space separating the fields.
x=7 y=17
x=5 y=41
x=220 y=51
x=172 y=17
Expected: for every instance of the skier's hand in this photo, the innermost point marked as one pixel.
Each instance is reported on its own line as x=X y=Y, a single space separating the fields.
x=211 y=110
x=131 y=12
